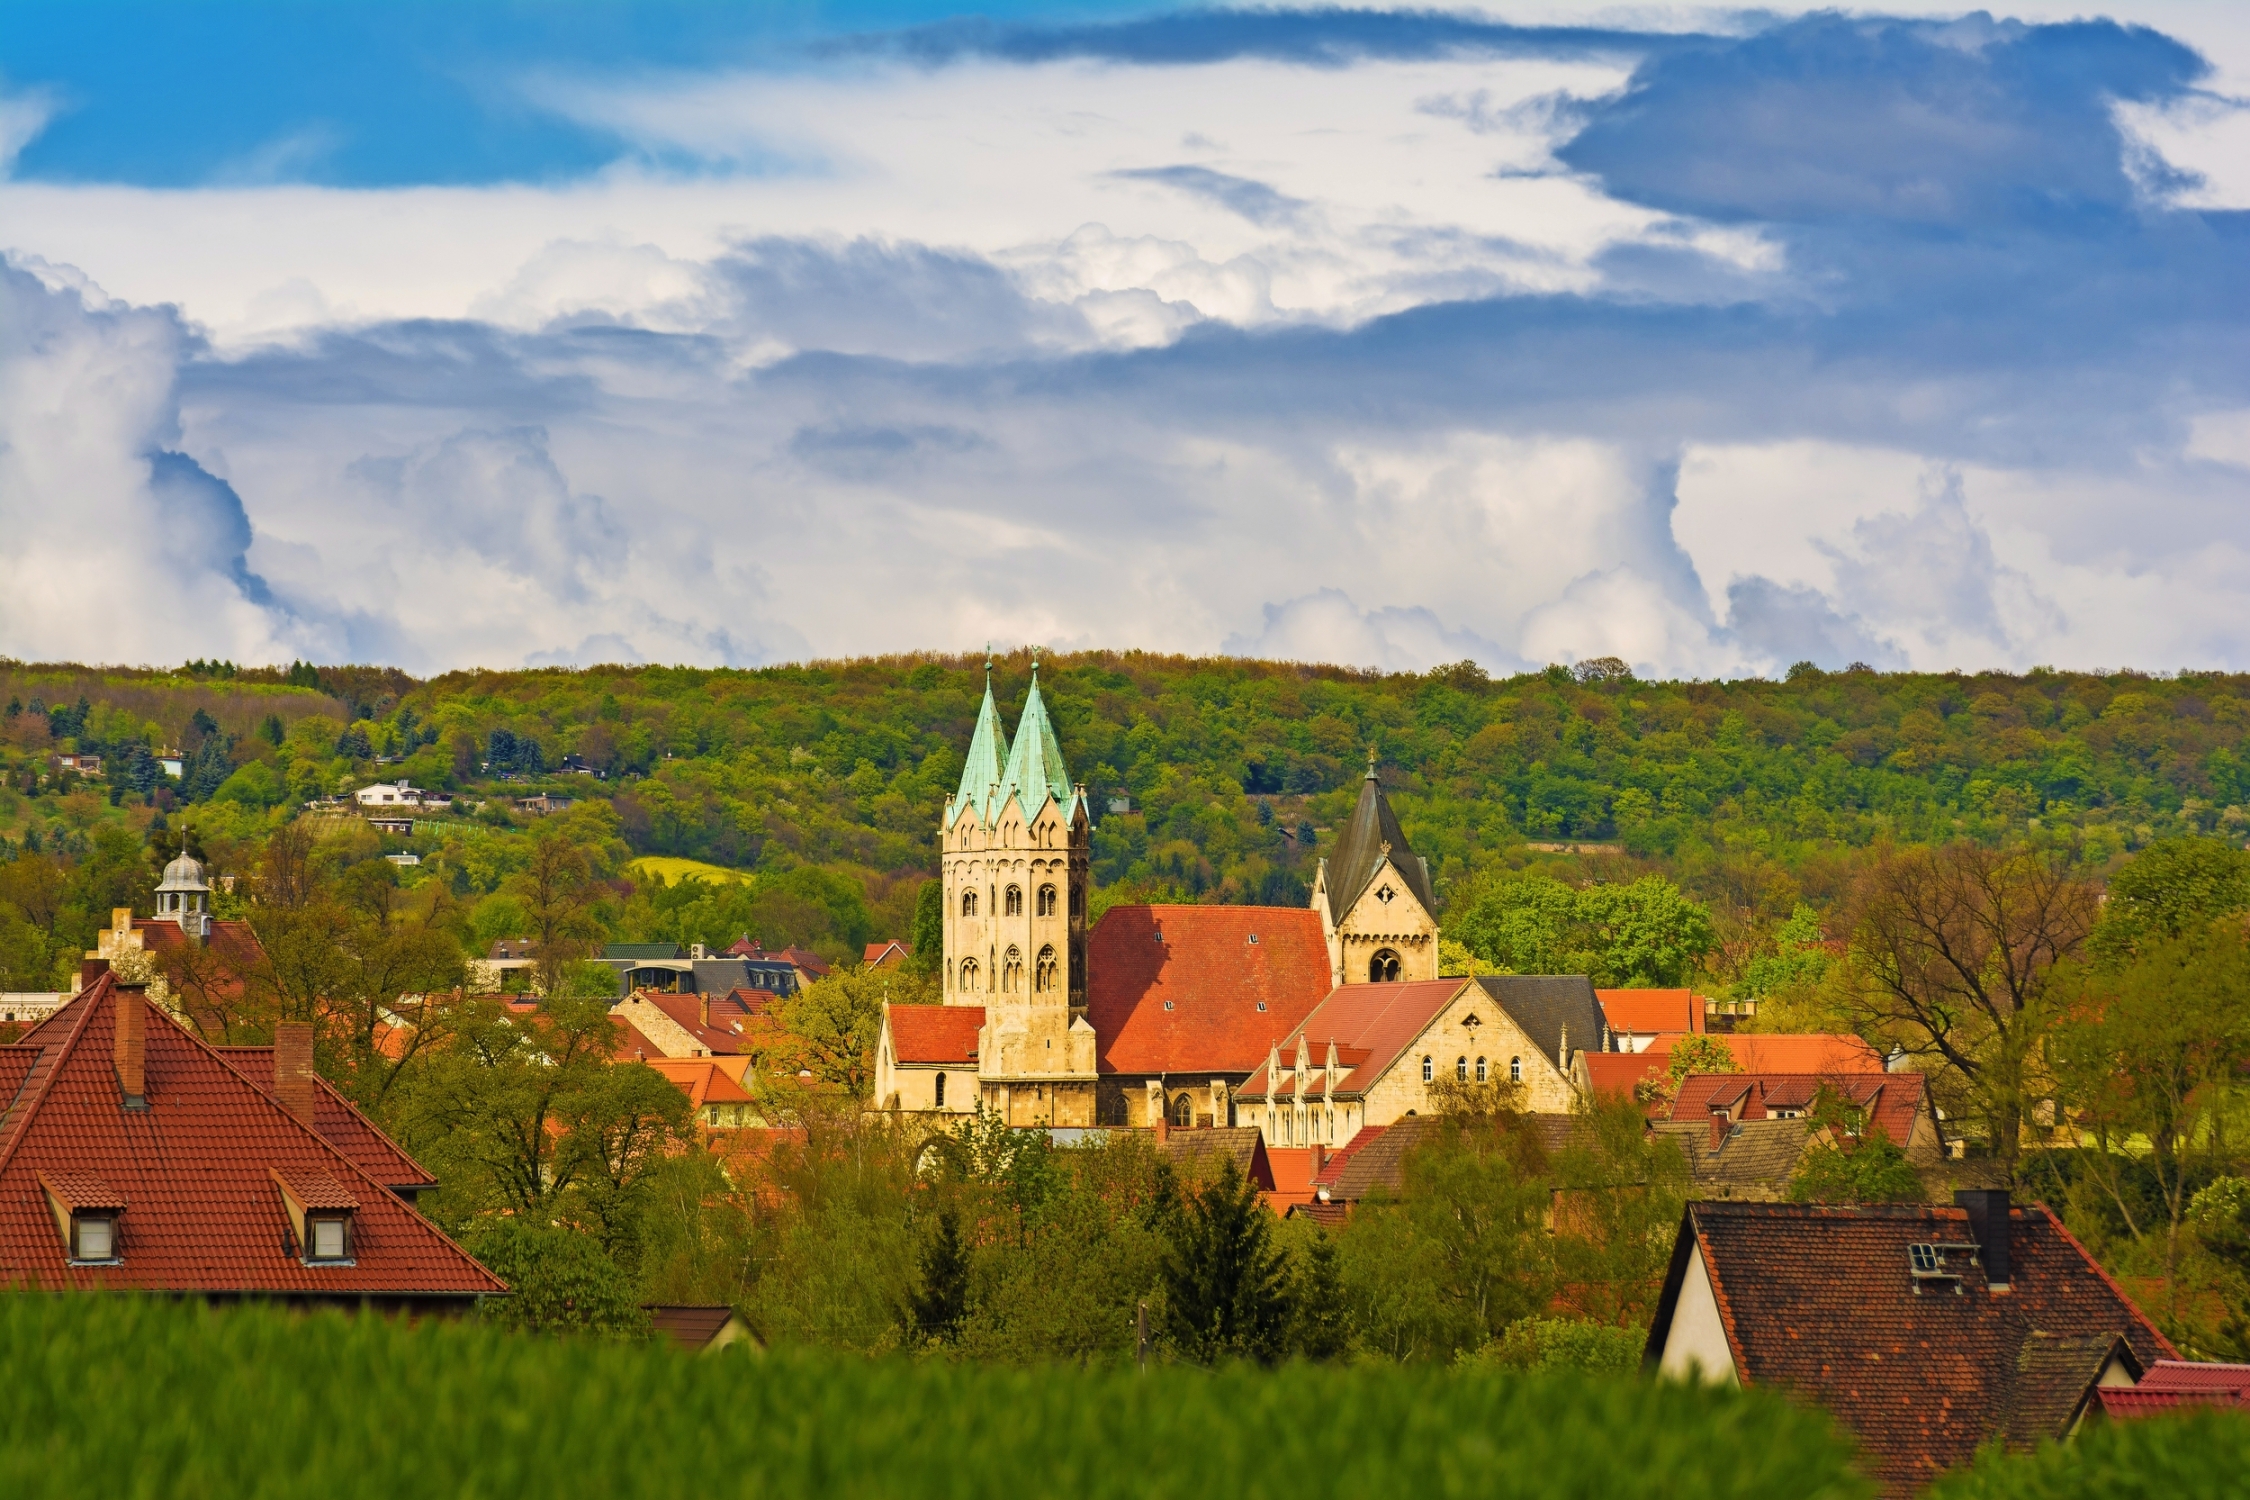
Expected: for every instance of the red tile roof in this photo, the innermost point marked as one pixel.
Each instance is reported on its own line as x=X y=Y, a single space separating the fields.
x=878 y=954
x=1894 y=1100
x=314 y=1189
x=632 y=1046
x=1820 y=1300
x=1815 y=1052
x=1642 y=1011
x=339 y=1122
x=1617 y=1072
x=935 y=1034
x=1176 y=989
x=1371 y=1024
x=687 y=1012
x=701 y=1079
x=195 y=1170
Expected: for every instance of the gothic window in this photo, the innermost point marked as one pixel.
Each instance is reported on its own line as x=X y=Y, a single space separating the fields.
x=1460 y=1070
x=968 y=903
x=1429 y=1069
x=1383 y=967
x=1011 y=972
x=968 y=976
x=1046 y=901
x=941 y=1091
x=1077 y=901
x=1515 y=1070
x=1183 y=1111
x=1015 y=900
x=1480 y=1070
x=1043 y=976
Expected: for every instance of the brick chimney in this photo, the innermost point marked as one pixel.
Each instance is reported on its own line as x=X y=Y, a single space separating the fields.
x=129 y=1043
x=1720 y=1125
x=89 y=970
x=293 y=1069
x=1988 y=1226
x=1163 y=1126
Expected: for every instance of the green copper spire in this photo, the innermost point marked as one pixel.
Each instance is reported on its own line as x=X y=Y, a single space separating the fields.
x=988 y=754
x=1035 y=769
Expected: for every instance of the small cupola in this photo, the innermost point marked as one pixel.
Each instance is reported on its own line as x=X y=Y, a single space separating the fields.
x=184 y=896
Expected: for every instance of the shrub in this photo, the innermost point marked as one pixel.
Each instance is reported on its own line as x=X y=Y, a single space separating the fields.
x=2201 y=1453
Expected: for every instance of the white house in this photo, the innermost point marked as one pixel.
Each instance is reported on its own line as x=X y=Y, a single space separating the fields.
x=389 y=794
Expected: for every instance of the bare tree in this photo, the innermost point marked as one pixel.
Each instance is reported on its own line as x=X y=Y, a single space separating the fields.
x=1957 y=947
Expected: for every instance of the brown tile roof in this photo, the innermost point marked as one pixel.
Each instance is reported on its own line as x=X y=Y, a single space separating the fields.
x=691 y=1327
x=1326 y=1215
x=1176 y=989
x=1894 y=1101
x=1376 y=1156
x=1756 y=1160
x=1640 y=1011
x=195 y=1169
x=1820 y=1299
x=339 y=1122
x=2054 y=1382
x=1196 y=1153
x=935 y=1034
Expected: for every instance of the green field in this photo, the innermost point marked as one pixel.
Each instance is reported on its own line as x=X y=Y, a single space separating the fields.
x=674 y=869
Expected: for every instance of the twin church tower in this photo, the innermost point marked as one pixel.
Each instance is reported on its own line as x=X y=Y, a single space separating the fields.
x=1016 y=869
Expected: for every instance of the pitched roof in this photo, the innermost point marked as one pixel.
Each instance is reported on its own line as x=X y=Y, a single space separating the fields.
x=1197 y=1152
x=1035 y=770
x=1176 y=989
x=1820 y=1299
x=690 y=1327
x=1372 y=1025
x=885 y=952
x=1376 y=1156
x=631 y=1045
x=1550 y=1009
x=1617 y=1072
x=1820 y=1054
x=196 y=1170
x=687 y=1013
x=1640 y=1011
x=2171 y=1384
x=2054 y=1383
x=339 y=1122
x=1893 y=1101
x=701 y=1079
x=934 y=1034
x=1755 y=1160
x=1372 y=834
x=659 y=952
x=985 y=766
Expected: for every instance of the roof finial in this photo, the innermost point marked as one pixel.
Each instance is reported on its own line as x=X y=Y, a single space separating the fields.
x=988 y=664
x=1035 y=661
x=1371 y=761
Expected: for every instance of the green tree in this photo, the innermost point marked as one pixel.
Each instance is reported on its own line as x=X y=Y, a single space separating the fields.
x=929 y=928
x=1642 y=934
x=1870 y=1170
x=939 y=1302
x=1225 y=1282
x=559 y=1281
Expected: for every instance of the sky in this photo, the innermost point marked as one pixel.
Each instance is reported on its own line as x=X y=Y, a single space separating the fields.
x=1716 y=340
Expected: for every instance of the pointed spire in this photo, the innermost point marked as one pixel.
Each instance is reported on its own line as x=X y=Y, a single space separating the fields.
x=988 y=752
x=1035 y=767
x=1371 y=839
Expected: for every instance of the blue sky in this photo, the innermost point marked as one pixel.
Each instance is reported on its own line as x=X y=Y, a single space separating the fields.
x=1713 y=339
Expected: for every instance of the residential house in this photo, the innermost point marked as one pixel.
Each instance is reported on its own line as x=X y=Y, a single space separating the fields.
x=84 y=765
x=718 y=1093
x=284 y=1072
x=543 y=804
x=29 y=1007
x=2171 y=1384
x=1200 y=1154
x=136 y=1158
x=1375 y=1053
x=885 y=955
x=1926 y=1331
x=701 y=1329
x=1375 y=1160
x=1898 y=1104
x=1639 y=1018
x=388 y=794
x=1749 y=1160
x=1822 y=1053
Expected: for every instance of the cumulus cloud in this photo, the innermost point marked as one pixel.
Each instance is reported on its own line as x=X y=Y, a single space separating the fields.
x=1328 y=627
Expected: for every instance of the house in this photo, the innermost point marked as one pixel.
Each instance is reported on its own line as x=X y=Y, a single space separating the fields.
x=888 y=955
x=1637 y=1018
x=388 y=794
x=681 y=1025
x=284 y=1072
x=1374 y=1160
x=1824 y=1053
x=29 y=1007
x=700 y=1329
x=1198 y=1154
x=668 y=968
x=1926 y=1331
x=542 y=804
x=84 y=765
x=136 y=1158
x=926 y=1058
x=2170 y=1384
x=1896 y=1103
x=1371 y=1054
x=403 y=827
x=718 y=1094
x=172 y=763
x=1750 y=1160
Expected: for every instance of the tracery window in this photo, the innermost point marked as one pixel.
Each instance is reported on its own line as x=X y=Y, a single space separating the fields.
x=1046 y=901
x=1383 y=967
x=1011 y=972
x=1015 y=900
x=968 y=976
x=1044 y=974
x=1183 y=1111
x=968 y=903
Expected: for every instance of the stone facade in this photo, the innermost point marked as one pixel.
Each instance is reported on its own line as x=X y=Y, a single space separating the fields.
x=1373 y=896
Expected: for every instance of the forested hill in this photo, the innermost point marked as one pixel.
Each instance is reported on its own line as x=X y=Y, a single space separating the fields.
x=1233 y=769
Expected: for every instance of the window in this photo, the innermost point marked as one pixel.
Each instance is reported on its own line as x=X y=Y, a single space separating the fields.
x=1515 y=1070
x=1077 y=900
x=1046 y=901
x=328 y=1238
x=1460 y=1070
x=968 y=903
x=1048 y=970
x=941 y=1091
x=1383 y=968
x=968 y=976
x=1480 y=1070
x=93 y=1237
x=1011 y=972
x=1429 y=1070
x=1183 y=1111
x=1015 y=900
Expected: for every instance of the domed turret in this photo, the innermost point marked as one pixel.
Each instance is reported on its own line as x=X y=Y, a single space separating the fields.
x=183 y=896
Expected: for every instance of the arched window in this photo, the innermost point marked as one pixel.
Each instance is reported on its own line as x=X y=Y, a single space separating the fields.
x=968 y=976
x=941 y=1091
x=1183 y=1111
x=1015 y=900
x=1383 y=967
x=1043 y=974
x=1011 y=972
x=1480 y=1070
x=1046 y=901
x=1460 y=1070
x=1515 y=1070
x=1429 y=1069
x=968 y=903
x=1077 y=901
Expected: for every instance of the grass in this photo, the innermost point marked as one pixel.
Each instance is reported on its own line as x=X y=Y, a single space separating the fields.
x=2194 y=1454
x=146 y=1398
x=674 y=869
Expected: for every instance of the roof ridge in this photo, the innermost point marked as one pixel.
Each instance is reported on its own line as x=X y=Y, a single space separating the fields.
x=982 y=768
x=51 y=1057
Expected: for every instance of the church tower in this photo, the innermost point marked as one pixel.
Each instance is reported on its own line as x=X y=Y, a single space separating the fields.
x=1373 y=896
x=1017 y=842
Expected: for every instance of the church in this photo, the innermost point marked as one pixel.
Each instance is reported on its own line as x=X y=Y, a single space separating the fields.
x=1156 y=1013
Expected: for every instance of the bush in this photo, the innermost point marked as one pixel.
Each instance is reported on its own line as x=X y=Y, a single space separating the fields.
x=1563 y=1344
x=2202 y=1453
x=113 y=1395
x=559 y=1282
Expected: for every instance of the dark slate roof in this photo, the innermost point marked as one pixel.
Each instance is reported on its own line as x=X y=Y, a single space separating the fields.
x=1545 y=1005
x=665 y=952
x=720 y=976
x=1360 y=850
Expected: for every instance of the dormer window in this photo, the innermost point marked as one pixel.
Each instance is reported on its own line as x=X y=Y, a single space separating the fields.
x=321 y=1216
x=93 y=1239
x=328 y=1237
x=86 y=1213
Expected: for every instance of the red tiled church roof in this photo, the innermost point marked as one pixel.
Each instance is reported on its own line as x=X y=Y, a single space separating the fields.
x=1212 y=965
x=1371 y=1024
x=935 y=1034
x=195 y=1169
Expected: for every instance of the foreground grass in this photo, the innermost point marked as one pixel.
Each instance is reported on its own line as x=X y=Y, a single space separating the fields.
x=116 y=1396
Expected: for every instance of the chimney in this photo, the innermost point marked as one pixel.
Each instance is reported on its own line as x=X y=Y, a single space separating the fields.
x=1720 y=1125
x=1163 y=1126
x=293 y=1069
x=129 y=1043
x=1319 y=1159
x=1988 y=1226
x=703 y=1009
x=89 y=970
